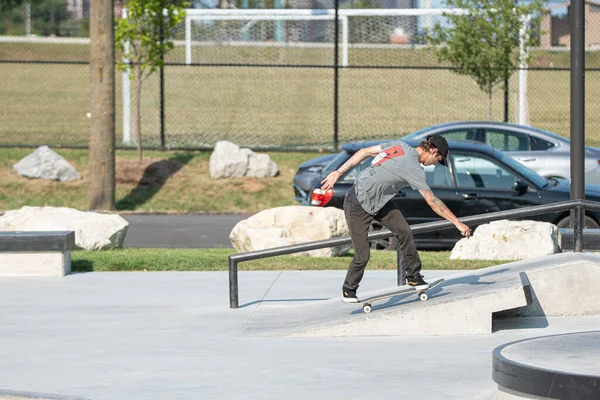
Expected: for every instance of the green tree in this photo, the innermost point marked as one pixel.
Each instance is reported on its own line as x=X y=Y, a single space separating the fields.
x=6 y=5
x=49 y=15
x=483 y=43
x=144 y=38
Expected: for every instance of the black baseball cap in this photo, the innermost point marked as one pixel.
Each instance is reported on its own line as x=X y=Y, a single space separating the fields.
x=441 y=144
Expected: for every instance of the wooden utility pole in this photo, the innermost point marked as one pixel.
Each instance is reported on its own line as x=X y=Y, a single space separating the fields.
x=101 y=192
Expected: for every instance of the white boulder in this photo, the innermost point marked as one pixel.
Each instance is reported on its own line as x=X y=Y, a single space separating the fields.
x=260 y=165
x=228 y=160
x=508 y=240
x=289 y=225
x=44 y=163
x=93 y=231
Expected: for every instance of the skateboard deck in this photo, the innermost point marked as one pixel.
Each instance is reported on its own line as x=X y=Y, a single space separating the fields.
x=422 y=293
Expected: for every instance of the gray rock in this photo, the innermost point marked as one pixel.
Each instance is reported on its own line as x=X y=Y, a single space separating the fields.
x=282 y=226
x=228 y=160
x=260 y=166
x=44 y=163
x=508 y=240
x=93 y=231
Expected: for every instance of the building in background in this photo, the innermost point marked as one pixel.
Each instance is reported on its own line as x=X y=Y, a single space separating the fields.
x=79 y=9
x=555 y=27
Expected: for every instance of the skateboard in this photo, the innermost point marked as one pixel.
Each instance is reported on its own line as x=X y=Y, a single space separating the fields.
x=422 y=293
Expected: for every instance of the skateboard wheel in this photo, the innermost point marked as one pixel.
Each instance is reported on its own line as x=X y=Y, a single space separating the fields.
x=367 y=308
x=423 y=296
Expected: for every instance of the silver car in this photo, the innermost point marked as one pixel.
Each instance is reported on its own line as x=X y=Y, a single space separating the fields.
x=544 y=152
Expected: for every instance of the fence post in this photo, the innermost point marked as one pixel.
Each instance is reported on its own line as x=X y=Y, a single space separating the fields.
x=336 y=78
x=233 y=283
x=162 y=87
x=506 y=97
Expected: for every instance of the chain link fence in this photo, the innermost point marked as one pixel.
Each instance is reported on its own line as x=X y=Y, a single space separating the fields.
x=270 y=84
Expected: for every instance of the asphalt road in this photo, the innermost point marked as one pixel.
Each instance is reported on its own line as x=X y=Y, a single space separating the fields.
x=180 y=231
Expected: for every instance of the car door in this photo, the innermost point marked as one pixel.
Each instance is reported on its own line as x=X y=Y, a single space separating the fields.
x=517 y=145
x=416 y=210
x=485 y=185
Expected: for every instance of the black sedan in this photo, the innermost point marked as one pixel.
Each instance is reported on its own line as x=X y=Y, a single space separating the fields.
x=479 y=179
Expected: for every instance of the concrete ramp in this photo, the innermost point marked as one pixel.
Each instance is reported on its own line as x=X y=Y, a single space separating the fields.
x=561 y=284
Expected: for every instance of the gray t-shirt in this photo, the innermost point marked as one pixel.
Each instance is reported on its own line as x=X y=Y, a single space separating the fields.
x=397 y=166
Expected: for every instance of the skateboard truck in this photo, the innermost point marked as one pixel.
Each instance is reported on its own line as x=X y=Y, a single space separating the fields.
x=421 y=293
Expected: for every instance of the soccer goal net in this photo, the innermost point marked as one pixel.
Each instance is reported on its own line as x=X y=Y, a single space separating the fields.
x=209 y=33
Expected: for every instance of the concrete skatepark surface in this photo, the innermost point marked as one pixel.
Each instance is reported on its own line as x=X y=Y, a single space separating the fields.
x=172 y=335
x=561 y=284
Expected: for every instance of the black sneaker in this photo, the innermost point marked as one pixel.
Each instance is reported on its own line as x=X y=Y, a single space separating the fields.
x=349 y=296
x=417 y=282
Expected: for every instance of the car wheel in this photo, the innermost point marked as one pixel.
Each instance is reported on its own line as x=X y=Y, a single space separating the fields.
x=382 y=244
x=588 y=223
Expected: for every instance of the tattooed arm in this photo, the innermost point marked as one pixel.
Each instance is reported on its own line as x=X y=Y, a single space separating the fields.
x=443 y=211
x=353 y=161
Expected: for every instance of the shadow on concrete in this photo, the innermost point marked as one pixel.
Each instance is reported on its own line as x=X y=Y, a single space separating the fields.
x=501 y=323
x=81 y=266
x=281 y=301
x=532 y=316
x=473 y=279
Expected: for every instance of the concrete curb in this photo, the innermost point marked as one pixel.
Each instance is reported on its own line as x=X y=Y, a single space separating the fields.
x=557 y=367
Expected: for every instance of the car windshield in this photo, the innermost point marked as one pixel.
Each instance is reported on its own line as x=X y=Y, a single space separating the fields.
x=527 y=173
x=553 y=135
x=417 y=133
x=338 y=160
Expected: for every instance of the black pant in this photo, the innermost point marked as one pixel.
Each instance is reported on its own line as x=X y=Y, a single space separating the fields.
x=359 y=222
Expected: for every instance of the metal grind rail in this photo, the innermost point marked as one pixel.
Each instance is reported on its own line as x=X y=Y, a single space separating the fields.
x=579 y=207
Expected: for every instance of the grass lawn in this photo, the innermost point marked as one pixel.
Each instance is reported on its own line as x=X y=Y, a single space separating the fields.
x=163 y=182
x=149 y=260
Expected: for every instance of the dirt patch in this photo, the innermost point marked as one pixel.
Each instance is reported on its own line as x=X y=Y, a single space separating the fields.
x=252 y=185
x=146 y=172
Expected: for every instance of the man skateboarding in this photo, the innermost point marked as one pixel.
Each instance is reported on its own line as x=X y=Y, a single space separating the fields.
x=396 y=165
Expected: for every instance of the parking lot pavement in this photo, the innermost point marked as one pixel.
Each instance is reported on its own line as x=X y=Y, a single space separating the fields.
x=180 y=231
x=172 y=335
